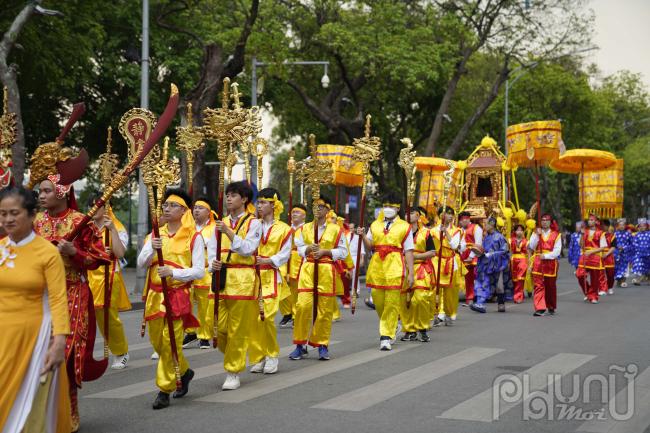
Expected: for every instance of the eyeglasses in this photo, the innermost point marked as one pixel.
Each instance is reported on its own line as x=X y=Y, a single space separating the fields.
x=171 y=205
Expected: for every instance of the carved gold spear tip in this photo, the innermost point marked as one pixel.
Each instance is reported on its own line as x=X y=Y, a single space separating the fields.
x=225 y=94
x=235 y=96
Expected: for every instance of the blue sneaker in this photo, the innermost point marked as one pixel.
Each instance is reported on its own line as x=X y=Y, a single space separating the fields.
x=323 y=354
x=479 y=308
x=298 y=353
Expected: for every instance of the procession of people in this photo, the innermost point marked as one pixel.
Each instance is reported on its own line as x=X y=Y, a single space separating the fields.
x=224 y=280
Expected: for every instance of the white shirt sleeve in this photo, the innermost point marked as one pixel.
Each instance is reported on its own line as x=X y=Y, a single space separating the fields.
x=478 y=239
x=455 y=241
x=369 y=234
x=284 y=254
x=408 y=243
x=463 y=245
x=300 y=245
x=197 y=271
x=603 y=241
x=124 y=238
x=340 y=252
x=532 y=243
x=211 y=246
x=246 y=247
x=557 y=249
x=146 y=254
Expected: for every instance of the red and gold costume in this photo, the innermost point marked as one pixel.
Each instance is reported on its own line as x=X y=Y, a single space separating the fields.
x=518 y=266
x=415 y=317
x=545 y=266
x=469 y=234
x=90 y=255
x=449 y=271
x=609 y=262
x=592 y=265
x=288 y=304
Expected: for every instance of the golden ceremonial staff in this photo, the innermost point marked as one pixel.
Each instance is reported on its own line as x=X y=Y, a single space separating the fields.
x=366 y=150
x=407 y=162
x=8 y=134
x=165 y=172
x=448 y=175
x=189 y=139
x=108 y=165
x=291 y=169
x=260 y=147
x=315 y=172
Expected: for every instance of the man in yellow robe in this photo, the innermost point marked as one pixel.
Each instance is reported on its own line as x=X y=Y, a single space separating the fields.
x=288 y=304
x=449 y=263
x=391 y=266
x=105 y=222
x=321 y=249
x=201 y=295
x=238 y=307
x=272 y=255
x=184 y=255
x=416 y=303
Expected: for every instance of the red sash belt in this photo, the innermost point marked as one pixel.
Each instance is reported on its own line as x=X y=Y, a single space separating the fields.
x=158 y=287
x=426 y=267
x=384 y=250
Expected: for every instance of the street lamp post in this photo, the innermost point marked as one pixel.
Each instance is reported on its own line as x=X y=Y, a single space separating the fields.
x=509 y=83
x=325 y=82
x=143 y=210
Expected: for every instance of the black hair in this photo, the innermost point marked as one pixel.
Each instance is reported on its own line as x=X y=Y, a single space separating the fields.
x=181 y=193
x=447 y=209
x=604 y=222
x=242 y=188
x=29 y=197
x=391 y=197
x=514 y=229
x=419 y=209
x=464 y=214
x=300 y=206
x=268 y=193
x=326 y=200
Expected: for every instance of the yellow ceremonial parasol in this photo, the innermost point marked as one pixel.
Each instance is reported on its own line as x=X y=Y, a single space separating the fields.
x=534 y=144
x=576 y=161
x=604 y=191
x=432 y=182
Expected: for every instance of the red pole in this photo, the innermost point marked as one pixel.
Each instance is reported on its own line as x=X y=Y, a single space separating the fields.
x=216 y=275
x=315 y=307
x=358 y=262
x=168 y=306
x=107 y=290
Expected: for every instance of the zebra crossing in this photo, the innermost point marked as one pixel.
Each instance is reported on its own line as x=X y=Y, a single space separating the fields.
x=481 y=407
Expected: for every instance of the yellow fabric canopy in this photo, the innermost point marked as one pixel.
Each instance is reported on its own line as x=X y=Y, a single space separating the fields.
x=577 y=160
x=533 y=143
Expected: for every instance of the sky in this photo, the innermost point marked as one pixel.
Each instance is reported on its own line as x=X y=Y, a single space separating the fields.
x=622 y=33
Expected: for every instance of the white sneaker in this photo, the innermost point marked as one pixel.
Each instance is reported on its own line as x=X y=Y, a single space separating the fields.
x=258 y=368
x=610 y=291
x=119 y=363
x=155 y=356
x=231 y=382
x=602 y=293
x=593 y=301
x=453 y=318
x=585 y=299
x=385 y=345
x=271 y=365
x=442 y=316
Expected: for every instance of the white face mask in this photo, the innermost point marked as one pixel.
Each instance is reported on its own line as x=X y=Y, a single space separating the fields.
x=389 y=212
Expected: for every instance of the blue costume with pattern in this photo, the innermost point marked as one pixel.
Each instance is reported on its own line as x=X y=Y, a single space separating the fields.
x=574 y=249
x=641 y=244
x=490 y=265
x=622 y=253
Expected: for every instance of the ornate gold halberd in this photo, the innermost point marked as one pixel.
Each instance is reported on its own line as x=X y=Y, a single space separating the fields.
x=189 y=139
x=483 y=187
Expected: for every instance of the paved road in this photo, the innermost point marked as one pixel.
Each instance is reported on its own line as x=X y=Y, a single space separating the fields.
x=451 y=384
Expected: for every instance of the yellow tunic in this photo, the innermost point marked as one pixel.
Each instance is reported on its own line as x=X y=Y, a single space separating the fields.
x=119 y=295
x=387 y=270
x=37 y=267
x=264 y=342
x=448 y=257
x=203 y=296
x=240 y=274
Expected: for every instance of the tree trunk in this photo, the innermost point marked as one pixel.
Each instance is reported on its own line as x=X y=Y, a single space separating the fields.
x=460 y=137
x=8 y=78
x=436 y=129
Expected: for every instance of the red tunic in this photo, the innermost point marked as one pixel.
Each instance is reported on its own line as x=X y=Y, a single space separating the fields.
x=90 y=255
x=518 y=259
x=591 y=242
x=469 y=240
x=546 y=268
